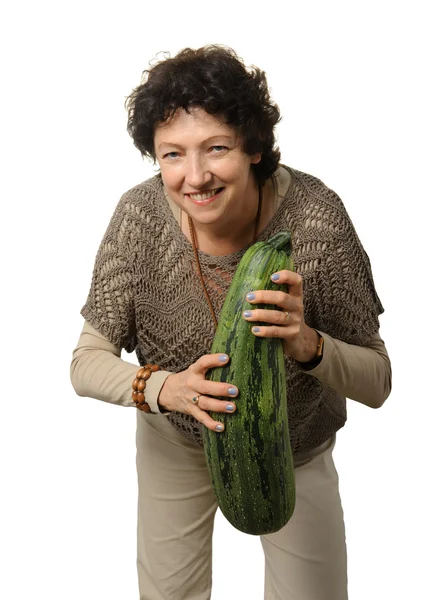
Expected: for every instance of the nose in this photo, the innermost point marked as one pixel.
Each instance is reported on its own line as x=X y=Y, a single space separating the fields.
x=197 y=174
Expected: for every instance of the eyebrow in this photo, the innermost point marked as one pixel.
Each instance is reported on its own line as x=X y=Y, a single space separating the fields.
x=213 y=137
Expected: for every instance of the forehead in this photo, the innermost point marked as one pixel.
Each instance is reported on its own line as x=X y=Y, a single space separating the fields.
x=192 y=125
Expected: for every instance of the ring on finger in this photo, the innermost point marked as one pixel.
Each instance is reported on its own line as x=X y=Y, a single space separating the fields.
x=195 y=399
x=286 y=318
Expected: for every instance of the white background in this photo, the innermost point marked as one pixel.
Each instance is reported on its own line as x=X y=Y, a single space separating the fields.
x=361 y=86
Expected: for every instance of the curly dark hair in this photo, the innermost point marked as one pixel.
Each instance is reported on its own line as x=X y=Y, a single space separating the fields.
x=215 y=79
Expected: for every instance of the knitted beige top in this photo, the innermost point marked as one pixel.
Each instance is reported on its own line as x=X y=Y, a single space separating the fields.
x=146 y=296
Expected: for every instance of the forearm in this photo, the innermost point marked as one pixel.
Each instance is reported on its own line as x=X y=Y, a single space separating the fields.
x=97 y=371
x=360 y=373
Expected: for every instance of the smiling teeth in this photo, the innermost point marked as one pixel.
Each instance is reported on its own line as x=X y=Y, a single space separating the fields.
x=204 y=196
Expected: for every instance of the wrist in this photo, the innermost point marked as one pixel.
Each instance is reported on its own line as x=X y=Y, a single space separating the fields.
x=146 y=389
x=310 y=345
x=312 y=355
x=164 y=395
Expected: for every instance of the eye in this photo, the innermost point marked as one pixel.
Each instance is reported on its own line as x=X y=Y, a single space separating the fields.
x=171 y=155
x=218 y=149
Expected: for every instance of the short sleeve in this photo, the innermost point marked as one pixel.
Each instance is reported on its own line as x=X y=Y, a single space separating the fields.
x=348 y=305
x=109 y=307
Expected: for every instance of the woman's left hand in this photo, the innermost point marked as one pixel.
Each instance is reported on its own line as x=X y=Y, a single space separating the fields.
x=299 y=340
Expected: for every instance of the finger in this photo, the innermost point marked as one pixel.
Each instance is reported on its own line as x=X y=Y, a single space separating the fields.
x=281 y=299
x=290 y=278
x=272 y=331
x=213 y=405
x=206 y=420
x=214 y=388
x=208 y=361
x=276 y=317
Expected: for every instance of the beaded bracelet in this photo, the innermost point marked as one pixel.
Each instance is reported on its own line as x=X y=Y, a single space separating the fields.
x=139 y=386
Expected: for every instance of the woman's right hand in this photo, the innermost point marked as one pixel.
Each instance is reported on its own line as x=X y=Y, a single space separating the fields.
x=179 y=389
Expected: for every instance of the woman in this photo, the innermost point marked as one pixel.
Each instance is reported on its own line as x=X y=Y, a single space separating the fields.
x=160 y=278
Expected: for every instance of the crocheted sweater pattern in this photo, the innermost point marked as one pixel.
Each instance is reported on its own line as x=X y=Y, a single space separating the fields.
x=146 y=295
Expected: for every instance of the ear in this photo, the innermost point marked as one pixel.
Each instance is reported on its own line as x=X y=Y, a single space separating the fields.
x=255 y=158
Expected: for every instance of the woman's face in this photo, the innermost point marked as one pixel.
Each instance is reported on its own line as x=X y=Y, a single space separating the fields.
x=204 y=168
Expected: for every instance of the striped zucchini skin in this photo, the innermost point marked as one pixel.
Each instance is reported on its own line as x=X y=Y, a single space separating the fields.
x=251 y=462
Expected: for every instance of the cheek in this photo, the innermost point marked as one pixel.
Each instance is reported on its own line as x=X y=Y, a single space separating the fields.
x=171 y=178
x=235 y=171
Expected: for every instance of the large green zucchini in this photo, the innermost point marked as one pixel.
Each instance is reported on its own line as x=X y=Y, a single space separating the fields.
x=251 y=462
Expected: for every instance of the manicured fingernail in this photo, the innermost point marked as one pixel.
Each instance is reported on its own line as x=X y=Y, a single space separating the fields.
x=229 y=407
x=250 y=296
x=275 y=276
x=255 y=329
x=232 y=391
x=219 y=427
x=247 y=313
x=222 y=358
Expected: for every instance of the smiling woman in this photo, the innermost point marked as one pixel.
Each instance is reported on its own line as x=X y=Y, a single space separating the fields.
x=207 y=174
x=160 y=278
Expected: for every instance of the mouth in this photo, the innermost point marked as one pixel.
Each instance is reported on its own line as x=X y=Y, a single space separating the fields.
x=205 y=197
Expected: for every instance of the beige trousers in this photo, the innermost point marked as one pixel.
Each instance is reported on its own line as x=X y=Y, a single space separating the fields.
x=306 y=560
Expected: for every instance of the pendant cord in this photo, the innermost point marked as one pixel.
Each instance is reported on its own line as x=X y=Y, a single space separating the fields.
x=194 y=242
x=198 y=265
